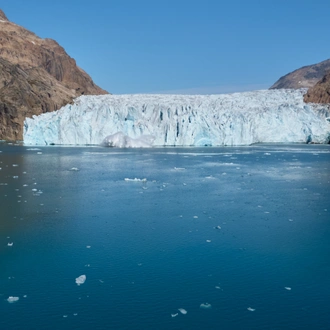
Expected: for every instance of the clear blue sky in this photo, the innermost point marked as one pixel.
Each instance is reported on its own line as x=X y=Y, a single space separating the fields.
x=192 y=46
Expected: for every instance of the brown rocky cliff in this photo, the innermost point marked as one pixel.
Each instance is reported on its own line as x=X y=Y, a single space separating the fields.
x=36 y=76
x=320 y=93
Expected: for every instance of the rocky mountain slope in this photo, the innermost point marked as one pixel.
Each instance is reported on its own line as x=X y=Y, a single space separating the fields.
x=320 y=93
x=36 y=76
x=305 y=77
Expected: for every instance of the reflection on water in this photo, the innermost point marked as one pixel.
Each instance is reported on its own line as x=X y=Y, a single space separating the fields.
x=242 y=230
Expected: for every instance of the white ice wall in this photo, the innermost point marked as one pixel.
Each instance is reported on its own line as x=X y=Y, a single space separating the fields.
x=225 y=119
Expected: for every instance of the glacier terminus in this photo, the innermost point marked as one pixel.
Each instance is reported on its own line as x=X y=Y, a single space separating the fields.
x=267 y=116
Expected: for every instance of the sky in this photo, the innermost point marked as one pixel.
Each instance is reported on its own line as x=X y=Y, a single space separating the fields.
x=182 y=46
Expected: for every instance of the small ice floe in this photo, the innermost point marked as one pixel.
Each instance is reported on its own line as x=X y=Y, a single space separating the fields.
x=179 y=168
x=15 y=177
x=88 y=246
x=65 y=316
x=10 y=244
x=15 y=165
x=251 y=309
x=136 y=180
x=290 y=220
x=12 y=299
x=81 y=279
x=267 y=154
x=287 y=288
x=74 y=169
x=205 y=306
x=139 y=264
x=217 y=227
x=182 y=311
x=195 y=216
x=174 y=315
x=101 y=281
x=208 y=241
x=39 y=153
x=25 y=296
x=218 y=287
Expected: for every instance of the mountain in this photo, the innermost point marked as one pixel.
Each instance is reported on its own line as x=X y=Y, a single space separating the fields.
x=183 y=120
x=304 y=77
x=320 y=93
x=36 y=76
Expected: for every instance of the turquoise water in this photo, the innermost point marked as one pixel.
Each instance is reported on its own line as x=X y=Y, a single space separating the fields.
x=150 y=247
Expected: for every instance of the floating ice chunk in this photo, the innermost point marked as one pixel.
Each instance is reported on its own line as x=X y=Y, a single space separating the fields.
x=208 y=241
x=251 y=309
x=88 y=246
x=217 y=227
x=65 y=316
x=15 y=177
x=81 y=279
x=174 y=315
x=267 y=154
x=136 y=180
x=218 y=287
x=195 y=217
x=75 y=314
x=205 y=306
x=290 y=220
x=287 y=288
x=74 y=169
x=39 y=153
x=25 y=296
x=182 y=311
x=10 y=244
x=179 y=168
x=15 y=165
x=12 y=299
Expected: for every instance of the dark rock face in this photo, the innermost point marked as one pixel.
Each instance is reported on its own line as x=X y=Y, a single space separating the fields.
x=305 y=77
x=320 y=93
x=36 y=76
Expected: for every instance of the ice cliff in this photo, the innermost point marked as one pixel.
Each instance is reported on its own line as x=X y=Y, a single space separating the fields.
x=182 y=120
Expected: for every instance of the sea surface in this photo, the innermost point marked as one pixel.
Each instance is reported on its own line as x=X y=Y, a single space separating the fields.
x=168 y=238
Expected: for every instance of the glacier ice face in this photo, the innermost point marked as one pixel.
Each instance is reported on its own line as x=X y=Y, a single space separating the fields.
x=182 y=120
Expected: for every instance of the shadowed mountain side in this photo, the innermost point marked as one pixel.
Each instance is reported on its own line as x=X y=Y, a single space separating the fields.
x=320 y=93
x=36 y=76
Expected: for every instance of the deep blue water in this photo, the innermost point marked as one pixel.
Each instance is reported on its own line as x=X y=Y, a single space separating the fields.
x=150 y=247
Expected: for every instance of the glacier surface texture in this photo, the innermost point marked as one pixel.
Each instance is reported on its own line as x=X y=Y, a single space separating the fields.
x=182 y=120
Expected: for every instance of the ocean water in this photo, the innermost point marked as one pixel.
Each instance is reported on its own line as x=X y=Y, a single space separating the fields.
x=238 y=238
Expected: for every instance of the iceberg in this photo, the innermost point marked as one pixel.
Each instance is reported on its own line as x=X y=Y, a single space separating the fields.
x=81 y=279
x=267 y=116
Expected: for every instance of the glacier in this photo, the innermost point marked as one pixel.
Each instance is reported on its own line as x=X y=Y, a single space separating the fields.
x=266 y=116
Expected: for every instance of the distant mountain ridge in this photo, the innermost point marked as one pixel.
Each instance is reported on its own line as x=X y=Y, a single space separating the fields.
x=37 y=76
x=305 y=77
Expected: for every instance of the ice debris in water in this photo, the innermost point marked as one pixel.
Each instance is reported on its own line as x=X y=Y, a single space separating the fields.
x=251 y=309
x=208 y=241
x=205 y=306
x=81 y=279
x=12 y=299
x=217 y=227
x=136 y=180
x=74 y=169
x=88 y=246
x=10 y=244
x=182 y=311
x=174 y=315
x=287 y=288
